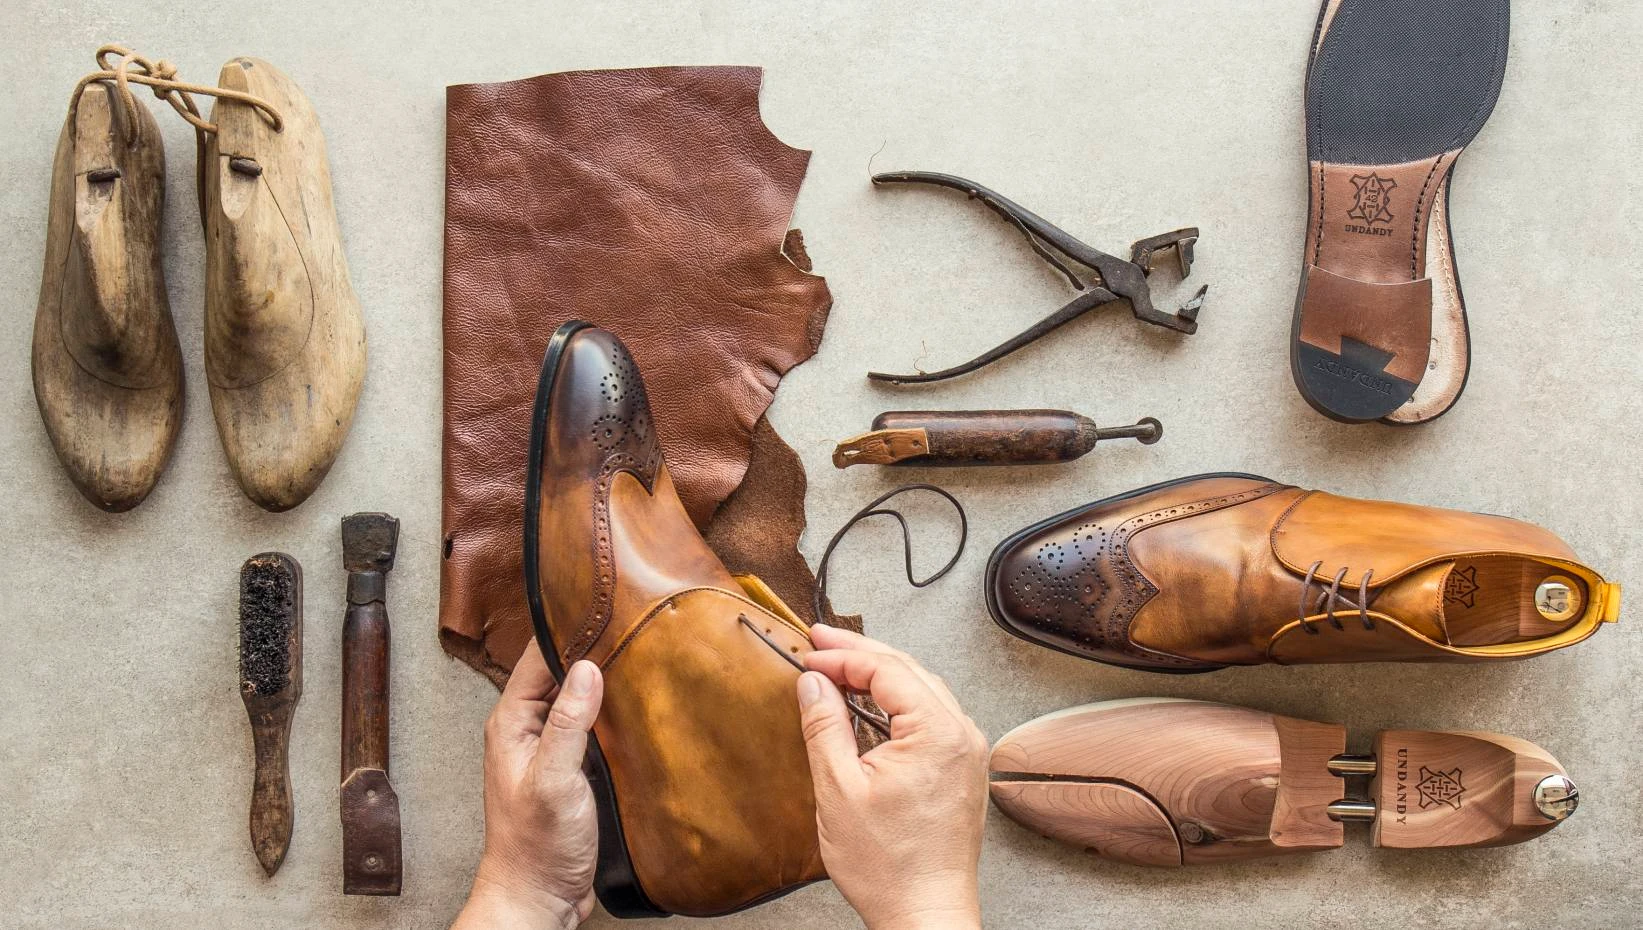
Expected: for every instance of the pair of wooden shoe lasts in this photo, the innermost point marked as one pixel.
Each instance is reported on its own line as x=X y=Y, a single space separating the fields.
x=284 y=340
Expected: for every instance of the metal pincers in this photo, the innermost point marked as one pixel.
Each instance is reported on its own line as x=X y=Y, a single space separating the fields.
x=1107 y=278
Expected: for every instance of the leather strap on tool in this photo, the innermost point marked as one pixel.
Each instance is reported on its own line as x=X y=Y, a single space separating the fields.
x=370 y=834
x=882 y=447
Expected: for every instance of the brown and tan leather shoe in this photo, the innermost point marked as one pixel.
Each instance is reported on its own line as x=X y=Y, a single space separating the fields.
x=697 y=759
x=1216 y=570
x=1159 y=781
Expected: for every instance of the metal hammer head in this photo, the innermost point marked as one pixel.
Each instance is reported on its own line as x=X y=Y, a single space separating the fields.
x=368 y=542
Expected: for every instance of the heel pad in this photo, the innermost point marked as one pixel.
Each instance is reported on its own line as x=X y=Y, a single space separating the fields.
x=1361 y=348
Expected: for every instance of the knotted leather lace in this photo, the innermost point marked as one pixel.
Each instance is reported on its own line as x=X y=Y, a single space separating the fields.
x=1328 y=599
x=161 y=77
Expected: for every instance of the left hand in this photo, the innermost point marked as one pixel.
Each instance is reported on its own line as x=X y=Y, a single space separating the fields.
x=541 y=833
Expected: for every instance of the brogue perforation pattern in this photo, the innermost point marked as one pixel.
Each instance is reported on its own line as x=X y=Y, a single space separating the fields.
x=623 y=432
x=1083 y=587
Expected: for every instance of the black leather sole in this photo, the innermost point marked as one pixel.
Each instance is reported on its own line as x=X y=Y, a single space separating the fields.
x=614 y=881
x=990 y=579
x=1392 y=82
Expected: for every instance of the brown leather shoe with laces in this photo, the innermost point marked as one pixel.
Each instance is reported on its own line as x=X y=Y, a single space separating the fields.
x=1216 y=570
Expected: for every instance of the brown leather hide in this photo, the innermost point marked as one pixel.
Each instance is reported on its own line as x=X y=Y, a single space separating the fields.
x=652 y=202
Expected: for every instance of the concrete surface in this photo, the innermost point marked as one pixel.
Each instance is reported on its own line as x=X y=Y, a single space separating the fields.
x=124 y=751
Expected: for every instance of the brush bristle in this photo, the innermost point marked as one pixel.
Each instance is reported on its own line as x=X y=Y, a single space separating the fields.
x=267 y=610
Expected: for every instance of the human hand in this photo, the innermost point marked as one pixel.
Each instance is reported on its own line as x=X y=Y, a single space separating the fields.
x=900 y=826
x=541 y=835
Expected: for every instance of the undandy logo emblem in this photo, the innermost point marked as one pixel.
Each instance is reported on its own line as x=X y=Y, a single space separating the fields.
x=1461 y=587
x=1374 y=199
x=1440 y=788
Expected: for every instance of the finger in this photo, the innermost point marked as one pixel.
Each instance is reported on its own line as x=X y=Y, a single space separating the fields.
x=889 y=679
x=523 y=706
x=835 y=638
x=565 y=738
x=829 y=737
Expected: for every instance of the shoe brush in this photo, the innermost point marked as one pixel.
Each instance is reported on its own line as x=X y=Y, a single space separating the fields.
x=270 y=685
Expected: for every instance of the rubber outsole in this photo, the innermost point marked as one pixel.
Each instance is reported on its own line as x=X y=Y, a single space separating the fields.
x=1392 y=82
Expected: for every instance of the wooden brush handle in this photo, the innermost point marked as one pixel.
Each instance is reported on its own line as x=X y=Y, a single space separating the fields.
x=271 y=810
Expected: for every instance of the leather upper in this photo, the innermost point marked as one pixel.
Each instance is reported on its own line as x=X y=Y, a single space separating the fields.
x=1210 y=571
x=699 y=726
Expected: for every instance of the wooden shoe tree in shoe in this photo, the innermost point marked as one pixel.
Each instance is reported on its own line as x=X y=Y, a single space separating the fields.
x=1159 y=781
x=1395 y=91
x=106 y=363
x=284 y=340
x=1506 y=599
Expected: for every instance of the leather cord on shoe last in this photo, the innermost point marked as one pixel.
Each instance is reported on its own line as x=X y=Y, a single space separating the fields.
x=161 y=76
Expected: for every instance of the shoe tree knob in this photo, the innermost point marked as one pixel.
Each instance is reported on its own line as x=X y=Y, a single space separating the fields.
x=1556 y=797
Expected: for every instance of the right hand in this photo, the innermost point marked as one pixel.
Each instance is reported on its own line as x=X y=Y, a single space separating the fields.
x=900 y=826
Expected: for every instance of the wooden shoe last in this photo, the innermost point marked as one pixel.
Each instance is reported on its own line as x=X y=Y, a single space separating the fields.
x=284 y=340
x=107 y=367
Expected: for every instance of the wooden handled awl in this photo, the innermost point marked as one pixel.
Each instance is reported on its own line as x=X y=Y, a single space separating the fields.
x=982 y=437
x=270 y=685
x=370 y=808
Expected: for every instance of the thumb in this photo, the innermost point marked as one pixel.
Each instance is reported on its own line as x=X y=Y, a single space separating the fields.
x=828 y=737
x=565 y=737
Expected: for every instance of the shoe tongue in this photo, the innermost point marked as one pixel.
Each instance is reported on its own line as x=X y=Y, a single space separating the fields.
x=1416 y=601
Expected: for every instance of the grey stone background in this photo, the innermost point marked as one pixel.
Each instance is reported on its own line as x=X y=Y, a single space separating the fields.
x=124 y=751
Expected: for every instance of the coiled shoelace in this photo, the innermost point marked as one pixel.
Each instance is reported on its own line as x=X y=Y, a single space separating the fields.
x=1330 y=598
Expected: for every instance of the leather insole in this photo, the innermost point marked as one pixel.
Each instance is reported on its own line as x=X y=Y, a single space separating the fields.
x=1493 y=600
x=1395 y=90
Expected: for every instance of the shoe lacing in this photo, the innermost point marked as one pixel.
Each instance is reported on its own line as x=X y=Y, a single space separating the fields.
x=1330 y=598
x=161 y=77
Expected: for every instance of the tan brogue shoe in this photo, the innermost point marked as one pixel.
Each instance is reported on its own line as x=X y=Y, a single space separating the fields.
x=1159 y=781
x=697 y=759
x=107 y=368
x=1218 y=570
x=284 y=341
